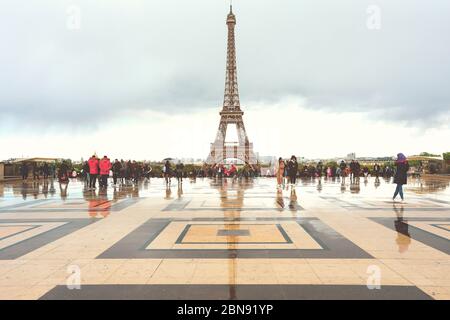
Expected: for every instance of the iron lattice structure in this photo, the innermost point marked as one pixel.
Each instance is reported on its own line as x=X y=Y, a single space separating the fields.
x=231 y=112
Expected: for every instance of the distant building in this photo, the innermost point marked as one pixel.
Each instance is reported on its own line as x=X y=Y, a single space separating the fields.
x=267 y=159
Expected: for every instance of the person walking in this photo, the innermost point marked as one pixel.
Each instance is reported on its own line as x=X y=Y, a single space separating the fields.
x=62 y=173
x=86 y=174
x=285 y=174
x=400 y=177
x=129 y=172
x=365 y=172
x=24 y=171
x=280 y=171
x=357 y=171
x=387 y=172
x=93 y=171
x=376 y=170
x=233 y=171
x=137 y=172
x=116 y=169
x=147 y=171
x=105 y=166
x=292 y=170
x=352 y=170
x=123 y=171
x=220 y=171
x=179 y=171
x=35 y=171
x=319 y=169
x=329 y=172
x=53 y=171
x=167 y=173
x=45 y=170
x=342 y=167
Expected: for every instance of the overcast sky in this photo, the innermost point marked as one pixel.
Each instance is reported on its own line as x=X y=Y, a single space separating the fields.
x=145 y=79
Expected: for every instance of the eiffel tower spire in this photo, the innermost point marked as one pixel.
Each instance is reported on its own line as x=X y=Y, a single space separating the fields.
x=231 y=98
x=231 y=111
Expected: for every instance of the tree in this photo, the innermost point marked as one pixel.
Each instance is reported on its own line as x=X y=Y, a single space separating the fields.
x=446 y=156
x=426 y=154
x=331 y=164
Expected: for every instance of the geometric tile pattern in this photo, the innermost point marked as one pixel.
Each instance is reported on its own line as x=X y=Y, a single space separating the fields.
x=429 y=231
x=358 y=203
x=9 y=230
x=285 y=238
x=443 y=226
x=27 y=235
x=18 y=232
x=76 y=205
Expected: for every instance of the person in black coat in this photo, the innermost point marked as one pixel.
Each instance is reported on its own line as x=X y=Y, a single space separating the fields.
x=319 y=169
x=400 y=177
x=24 y=171
x=62 y=173
x=376 y=170
x=167 y=170
x=45 y=170
x=116 y=169
x=35 y=171
x=352 y=169
x=86 y=175
x=292 y=168
x=179 y=171
x=342 y=166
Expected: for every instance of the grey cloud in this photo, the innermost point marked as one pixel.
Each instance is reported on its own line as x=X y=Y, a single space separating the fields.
x=169 y=56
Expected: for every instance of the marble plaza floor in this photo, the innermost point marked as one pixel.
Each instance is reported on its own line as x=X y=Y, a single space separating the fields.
x=225 y=240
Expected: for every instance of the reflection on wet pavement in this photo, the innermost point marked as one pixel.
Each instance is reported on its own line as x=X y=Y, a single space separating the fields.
x=152 y=188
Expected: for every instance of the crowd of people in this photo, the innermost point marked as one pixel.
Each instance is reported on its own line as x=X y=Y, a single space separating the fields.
x=126 y=172
x=231 y=170
x=130 y=172
x=291 y=169
x=123 y=172
x=286 y=171
x=169 y=172
x=45 y=170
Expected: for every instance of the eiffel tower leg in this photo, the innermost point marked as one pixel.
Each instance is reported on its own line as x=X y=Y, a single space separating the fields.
x=242 y=135
x=217 y=149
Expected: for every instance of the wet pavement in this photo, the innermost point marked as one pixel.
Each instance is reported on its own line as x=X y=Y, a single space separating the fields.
x=225 y=239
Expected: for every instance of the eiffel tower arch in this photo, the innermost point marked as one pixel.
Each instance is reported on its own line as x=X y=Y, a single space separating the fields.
x=231 y=112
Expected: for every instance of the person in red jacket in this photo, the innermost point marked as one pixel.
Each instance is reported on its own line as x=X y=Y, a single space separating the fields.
x=93 y=171
x=232 y=171
x=105 y=166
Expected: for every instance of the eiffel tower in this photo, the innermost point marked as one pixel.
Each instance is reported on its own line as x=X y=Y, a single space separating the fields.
x=231 y=112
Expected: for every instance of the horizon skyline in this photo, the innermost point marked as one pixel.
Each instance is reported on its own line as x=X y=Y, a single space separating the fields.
x=259 y=157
